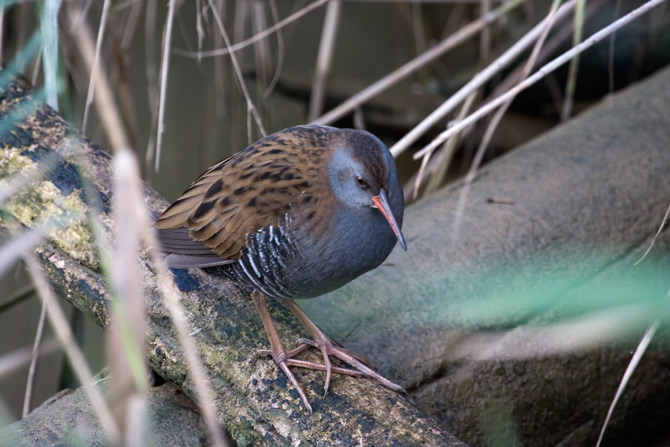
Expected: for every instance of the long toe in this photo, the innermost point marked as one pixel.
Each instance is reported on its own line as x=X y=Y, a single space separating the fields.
x=294 y=381
x=346 y=356
x=328 y=348
x=276 y=349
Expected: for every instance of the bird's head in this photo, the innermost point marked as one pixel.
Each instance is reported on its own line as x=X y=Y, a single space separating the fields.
x=363 y=175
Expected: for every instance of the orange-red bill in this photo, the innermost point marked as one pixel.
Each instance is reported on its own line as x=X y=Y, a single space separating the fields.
x=381 y=201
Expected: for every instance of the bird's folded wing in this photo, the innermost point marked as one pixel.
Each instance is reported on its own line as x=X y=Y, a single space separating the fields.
x=183 y=252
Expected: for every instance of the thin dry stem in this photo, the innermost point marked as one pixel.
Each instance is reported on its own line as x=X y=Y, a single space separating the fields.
x=193 y=361
x=153 y=92
x=22 y=243
x=136 y=433
x=415 y=64
x=525 y=71
x=555 y=41
x=76 y=358
x=12 y=361
x=199 y=27
x=164 y=77
x=262 y=35
x=424 y=171
x=222 y=65
x=485 y=37
x=490 y=129
x=280 y=51
x=49 y=32
x=240 y=23
x=610 y=58
x=632 y=365
x=262 y=49
x=131 y=25
x=477 y=82
x=137 y=210
x=540 y=74
x=658 y=233
x=30 y=381
x=36 y=70
x=125 y=339
x=447 y=151
x=96 y=63
x=105 y=103
x=571 y=83
x=325 y=58
x=2 y=31
x=82 y=16
x=251 y=109
x=124 y=91
x=418 y=28
x=16 y=297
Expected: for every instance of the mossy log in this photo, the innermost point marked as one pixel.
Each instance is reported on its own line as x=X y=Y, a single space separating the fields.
x=68 y=419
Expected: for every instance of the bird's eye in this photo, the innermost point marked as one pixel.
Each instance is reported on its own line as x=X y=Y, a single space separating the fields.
x=361 y=182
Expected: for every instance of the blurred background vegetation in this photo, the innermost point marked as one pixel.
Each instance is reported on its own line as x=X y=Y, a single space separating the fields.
x=207 y=117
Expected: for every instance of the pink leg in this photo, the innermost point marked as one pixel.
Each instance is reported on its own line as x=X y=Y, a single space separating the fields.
x=281 y=357
x=276 y=349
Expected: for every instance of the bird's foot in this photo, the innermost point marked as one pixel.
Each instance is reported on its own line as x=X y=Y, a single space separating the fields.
x=329 y=348
x=360 y=364
x=290 y=360
x=285 y=359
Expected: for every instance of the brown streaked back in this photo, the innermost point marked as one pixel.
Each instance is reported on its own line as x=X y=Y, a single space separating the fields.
x=252 y=189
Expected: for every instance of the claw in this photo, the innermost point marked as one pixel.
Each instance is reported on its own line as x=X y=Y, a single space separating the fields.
x=294 y=381
x=321 y=342
x=276 y=349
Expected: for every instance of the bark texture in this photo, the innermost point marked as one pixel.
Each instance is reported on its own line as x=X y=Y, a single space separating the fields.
x=67 y=419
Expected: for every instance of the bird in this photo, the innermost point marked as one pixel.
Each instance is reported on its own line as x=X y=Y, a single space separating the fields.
x=295 y=215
